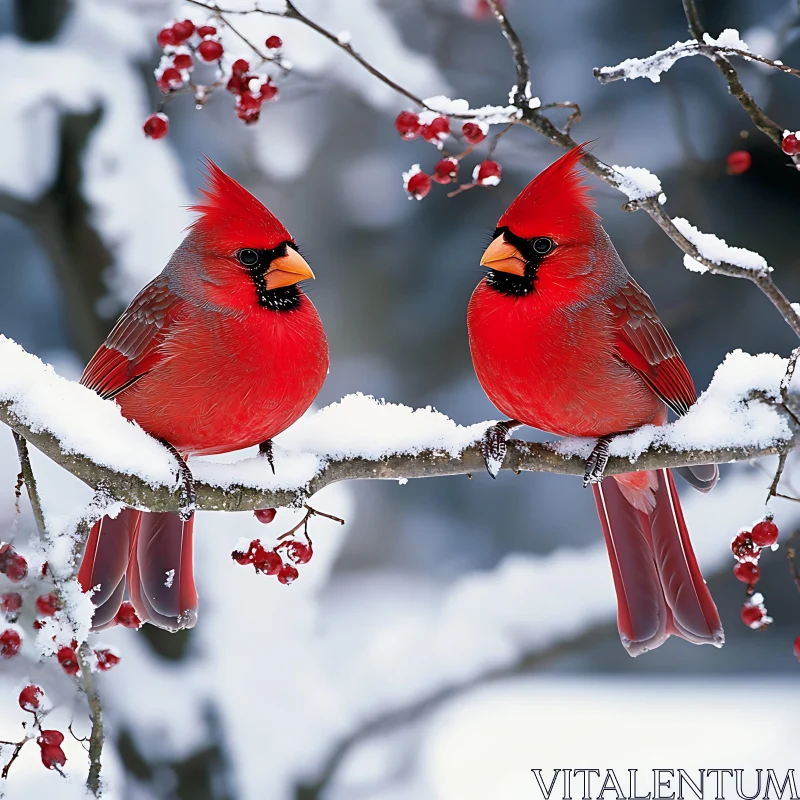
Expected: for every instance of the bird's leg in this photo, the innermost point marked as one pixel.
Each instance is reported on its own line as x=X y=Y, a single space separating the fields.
x=188 y=493
x=596 y=463
x=494 y=445
x=265 y=449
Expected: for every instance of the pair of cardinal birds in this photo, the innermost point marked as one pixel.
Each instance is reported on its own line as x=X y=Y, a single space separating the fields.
x=223 y=350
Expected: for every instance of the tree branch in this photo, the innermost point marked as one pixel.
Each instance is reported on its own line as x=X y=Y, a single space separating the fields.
x=522 y=93
x=246 y=495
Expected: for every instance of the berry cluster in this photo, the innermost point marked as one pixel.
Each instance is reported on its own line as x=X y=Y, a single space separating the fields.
x=791 y=143
x=435 y=129
x=32 y=700
x=182 y=43
x=271 y=562
x=746 y=547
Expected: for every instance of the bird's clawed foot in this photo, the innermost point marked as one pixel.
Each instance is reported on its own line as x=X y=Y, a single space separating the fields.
x=188 y=493
x=494 y=445
x=265 y=449
x=596 y=463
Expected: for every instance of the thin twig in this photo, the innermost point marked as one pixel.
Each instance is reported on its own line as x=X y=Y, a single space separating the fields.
x=522 y=93
x=30 y=482
x=773 y=488
x=310 y=512
x=96 y=737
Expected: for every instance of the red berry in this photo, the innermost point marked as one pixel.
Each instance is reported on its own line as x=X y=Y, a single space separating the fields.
x=47 y=604
x=299 y=553
x=52 y=756
x=240 y=67
x=183 y=30
x=487 y=173
x=473 y=132
x=237 y=84
x=743 y=547
x=418 y=185
x=52 y=738
x=445 y=171
x=407 y=124
x=12 y=563
x=752 y=615
x=436 y=130
x=182 y=61
x=167 y=36
x=268 y=562
x=10 y=642
x=288 y=574
x=11 y=602
x=765 y=533
x=797 y=648
x=274 y=42
x=747 y=572
x=210 y=50
x=739 y=161
x=265 y=515
x=127 y=616
x=206 y=30
x=156 y=126
x=790 y=145
x=248 y=107
x=30 y=697
x=269 y=91
x=68 y=660
x=170 y=79
x=106 y=659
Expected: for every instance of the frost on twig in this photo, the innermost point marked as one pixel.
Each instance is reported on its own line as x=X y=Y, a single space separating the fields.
x=652 y=67
x=717 y=251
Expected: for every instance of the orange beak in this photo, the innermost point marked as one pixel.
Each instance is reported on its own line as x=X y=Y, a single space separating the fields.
x=287 y=270
x=503 y=256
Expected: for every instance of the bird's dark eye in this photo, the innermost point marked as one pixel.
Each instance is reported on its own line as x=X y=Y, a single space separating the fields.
x=542 y=245
x=247 y=257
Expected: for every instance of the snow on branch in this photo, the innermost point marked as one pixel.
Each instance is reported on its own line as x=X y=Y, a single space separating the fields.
x=740 y=416
x=717 y=250
x=728 y=43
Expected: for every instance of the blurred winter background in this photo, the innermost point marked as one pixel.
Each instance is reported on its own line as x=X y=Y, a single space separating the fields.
x=455 y=634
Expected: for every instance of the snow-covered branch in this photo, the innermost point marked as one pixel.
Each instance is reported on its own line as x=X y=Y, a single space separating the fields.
x=740 y=416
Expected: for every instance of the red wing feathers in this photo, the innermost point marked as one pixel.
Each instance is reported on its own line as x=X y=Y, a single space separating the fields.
x=646 y=346
x=131 y=348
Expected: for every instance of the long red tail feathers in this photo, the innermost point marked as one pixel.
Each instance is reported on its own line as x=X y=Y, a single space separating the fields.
x=150 y=555
x=660 y=589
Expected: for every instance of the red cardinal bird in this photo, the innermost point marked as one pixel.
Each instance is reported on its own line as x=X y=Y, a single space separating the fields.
x=221 y=351
x=564 y=340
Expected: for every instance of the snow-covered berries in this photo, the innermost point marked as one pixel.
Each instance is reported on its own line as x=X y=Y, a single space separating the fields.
x=210 y=50
x=156 y=126
x=747 y=572
x=791 y=144
x=445 y=171
x=47 y=604
x=473 y=132
x=487 y=173
x=50 y=742
x=68 y=659
x=265 y=515
x=106 y=659
x=417 y=183
x=436 y=131
x=206 y=30
x=13 y=564
x=765 y=533
x=407 y=125
x=10 y=603
x=10 y=642
x=273 y=42
x=30 y=698
x=271 y=562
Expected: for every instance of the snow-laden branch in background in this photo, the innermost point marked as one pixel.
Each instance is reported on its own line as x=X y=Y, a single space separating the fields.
x=728 y=43
x=740 y=416
x=717 y=250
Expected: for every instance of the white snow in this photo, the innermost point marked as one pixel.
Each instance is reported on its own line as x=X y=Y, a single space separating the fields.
x=638 y=183
x=724 y=415
x=717 y=250
x=491 y=115
x=654 y=66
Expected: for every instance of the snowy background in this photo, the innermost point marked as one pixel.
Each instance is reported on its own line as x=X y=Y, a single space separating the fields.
x=454 y=634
